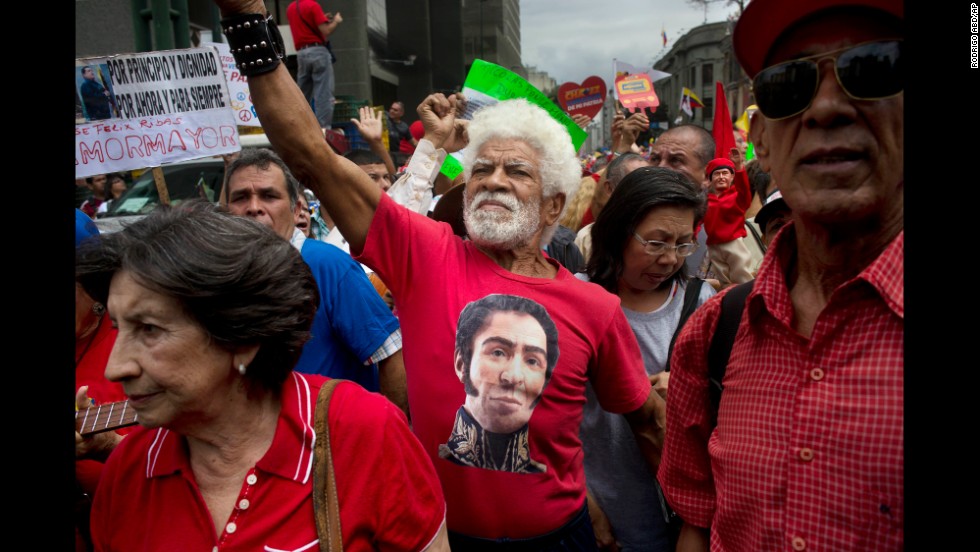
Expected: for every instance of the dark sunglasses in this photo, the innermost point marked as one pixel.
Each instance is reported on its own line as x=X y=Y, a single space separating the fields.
x=869 y=71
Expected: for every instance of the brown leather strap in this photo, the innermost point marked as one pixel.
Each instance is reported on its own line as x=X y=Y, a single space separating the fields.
x=325 y=503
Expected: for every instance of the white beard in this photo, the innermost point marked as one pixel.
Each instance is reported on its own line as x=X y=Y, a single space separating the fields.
x=501 y=230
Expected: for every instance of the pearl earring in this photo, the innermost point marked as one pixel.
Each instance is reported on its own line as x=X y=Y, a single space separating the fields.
x=241 y=368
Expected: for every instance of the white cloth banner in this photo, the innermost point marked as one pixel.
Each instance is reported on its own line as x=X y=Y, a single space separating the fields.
x=167 y=106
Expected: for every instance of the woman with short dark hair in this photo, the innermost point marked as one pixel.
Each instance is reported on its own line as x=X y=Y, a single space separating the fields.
x=212 y=312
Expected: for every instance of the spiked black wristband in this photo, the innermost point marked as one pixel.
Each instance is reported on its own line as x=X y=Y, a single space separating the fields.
x=255 y=42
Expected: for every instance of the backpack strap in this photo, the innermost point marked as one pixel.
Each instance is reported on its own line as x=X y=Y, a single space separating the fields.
x=325 y=503
x=691 y=294
x=732 y=305
x=720 y=349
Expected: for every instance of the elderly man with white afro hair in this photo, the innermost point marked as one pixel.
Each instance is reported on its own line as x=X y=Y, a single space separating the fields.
x=520 y=168
x=519 y=119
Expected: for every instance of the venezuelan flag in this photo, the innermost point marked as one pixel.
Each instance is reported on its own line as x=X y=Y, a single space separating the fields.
x=695 y=100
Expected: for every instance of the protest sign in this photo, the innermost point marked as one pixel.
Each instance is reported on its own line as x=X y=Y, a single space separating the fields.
x=241 y=98
x=166 y=106
x=585 y=99
x=488 y=83
x=636 y=92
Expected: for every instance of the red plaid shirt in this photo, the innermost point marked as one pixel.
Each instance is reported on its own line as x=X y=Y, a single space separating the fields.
x=808 y=450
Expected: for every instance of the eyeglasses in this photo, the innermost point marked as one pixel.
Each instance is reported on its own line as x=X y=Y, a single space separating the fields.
x=654 y=247
x=869 y=71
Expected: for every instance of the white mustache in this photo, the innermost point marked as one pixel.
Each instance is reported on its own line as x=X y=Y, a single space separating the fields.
x=508 y=200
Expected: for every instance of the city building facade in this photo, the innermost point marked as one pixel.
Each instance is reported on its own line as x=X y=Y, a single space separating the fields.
x=697 y=60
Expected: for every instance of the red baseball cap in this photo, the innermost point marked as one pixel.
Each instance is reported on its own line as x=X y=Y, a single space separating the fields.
x=764 y=21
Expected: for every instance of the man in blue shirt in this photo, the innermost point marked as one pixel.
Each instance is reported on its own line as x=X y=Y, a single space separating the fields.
x=355 y=335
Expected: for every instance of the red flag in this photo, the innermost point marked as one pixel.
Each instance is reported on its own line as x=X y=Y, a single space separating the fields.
x=722 y=129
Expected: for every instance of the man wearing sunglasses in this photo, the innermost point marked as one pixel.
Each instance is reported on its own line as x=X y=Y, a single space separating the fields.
x=805 y=451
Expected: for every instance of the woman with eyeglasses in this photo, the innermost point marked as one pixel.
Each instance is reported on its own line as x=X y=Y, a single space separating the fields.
x=639 y=243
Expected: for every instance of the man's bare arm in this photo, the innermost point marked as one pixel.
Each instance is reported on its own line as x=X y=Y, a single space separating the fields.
x=327 y=29
x=348 y=193
x=648 y=424
x=391 y=380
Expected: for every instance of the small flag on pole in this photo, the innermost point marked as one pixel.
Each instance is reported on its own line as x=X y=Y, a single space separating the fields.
x=689 y=100
x=663 y=33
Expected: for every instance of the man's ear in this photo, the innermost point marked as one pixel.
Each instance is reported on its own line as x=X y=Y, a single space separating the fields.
x=553 y=206
x=759 y=137
x=459 y=364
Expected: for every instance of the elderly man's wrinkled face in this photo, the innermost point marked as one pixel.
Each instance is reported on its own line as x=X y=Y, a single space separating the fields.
x=502 y=203
x=841 y=159
x=678 y=150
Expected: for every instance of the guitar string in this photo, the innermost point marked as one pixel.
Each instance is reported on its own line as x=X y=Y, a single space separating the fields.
x=121 y=419
x=111 y=417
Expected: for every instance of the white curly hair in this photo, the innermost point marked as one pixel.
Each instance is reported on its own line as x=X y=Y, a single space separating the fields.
x=560 y=169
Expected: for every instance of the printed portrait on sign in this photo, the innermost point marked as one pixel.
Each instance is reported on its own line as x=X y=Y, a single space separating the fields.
x=93 y=84
x=506 y=350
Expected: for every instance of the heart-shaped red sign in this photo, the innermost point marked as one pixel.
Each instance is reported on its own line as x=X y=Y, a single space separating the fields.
x=585 y=99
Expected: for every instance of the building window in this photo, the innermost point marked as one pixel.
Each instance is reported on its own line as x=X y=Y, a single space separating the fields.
x=707 y=75
x=694 y=77
x=706 y=111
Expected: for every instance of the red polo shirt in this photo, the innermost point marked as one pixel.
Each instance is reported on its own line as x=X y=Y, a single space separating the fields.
x=390 y=497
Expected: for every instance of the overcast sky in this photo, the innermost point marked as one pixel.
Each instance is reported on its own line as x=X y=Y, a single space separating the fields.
x=574 y=39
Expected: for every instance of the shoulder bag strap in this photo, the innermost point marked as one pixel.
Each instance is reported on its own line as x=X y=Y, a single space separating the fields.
x=325 y=503
x=299 y=13
x=691 y=294
x=732 y=305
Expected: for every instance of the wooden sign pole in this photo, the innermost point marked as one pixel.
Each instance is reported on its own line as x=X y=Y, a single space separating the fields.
x=161 y=186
